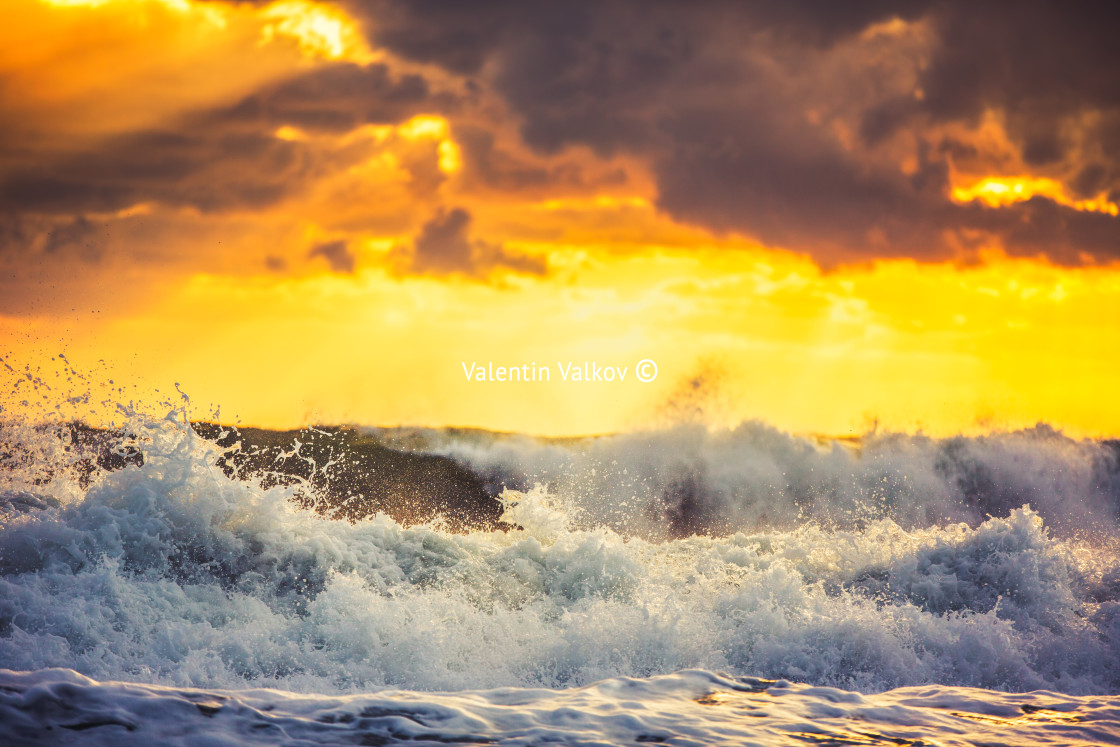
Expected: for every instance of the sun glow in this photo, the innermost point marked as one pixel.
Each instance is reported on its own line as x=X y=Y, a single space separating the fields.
x=180 y=5
x=913 y=346
x=424 y=125
x=450 y=160
x=291 y=134
x=600 y=202
x=427 y=126
x=213 y=13
x=1000 y=191
x=319 y=31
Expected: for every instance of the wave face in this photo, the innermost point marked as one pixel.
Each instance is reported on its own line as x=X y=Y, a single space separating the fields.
x=170 y=572
x=690 y=480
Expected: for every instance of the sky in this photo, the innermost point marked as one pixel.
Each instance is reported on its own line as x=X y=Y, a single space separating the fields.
x=832 y=217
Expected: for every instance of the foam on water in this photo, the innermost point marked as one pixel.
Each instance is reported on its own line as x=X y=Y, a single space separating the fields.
x=690 y=479
x=171 y=573
x=687 y=708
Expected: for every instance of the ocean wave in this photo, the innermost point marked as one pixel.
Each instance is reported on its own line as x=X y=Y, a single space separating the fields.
x=172 y=572
x=691 y=479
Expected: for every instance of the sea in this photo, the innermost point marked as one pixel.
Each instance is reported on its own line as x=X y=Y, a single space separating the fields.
x=683 y=586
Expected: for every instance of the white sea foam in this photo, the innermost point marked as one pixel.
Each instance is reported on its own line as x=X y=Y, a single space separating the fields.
x=690 y=479
x=174 y=574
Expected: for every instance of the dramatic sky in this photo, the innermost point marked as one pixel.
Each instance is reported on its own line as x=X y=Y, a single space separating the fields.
x=823 y=215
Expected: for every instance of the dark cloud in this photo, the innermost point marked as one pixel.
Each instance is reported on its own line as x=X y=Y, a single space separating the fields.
x=80 y=237
x=210 y=170
x=495 y=167
x=337 y=254
x=790 y=186
x=336 y=99
x=1040 y=63
x=1090 y=180
x=16 y=236
x=59 y=239
x=223 y=159
x=602 y=74
x=489 y=165
x=783 y=120
x=462 y=37
x=1042 y=227
x=787 y=122
x=444 y=247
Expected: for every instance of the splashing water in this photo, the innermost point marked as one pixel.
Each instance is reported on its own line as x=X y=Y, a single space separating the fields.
x=864 y=569
x=173 y=573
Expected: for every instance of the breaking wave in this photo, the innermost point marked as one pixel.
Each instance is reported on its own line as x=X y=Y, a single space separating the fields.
x=901 y=561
